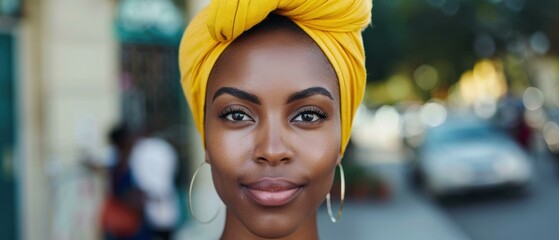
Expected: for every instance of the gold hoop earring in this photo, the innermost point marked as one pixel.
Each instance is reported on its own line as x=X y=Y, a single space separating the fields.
x=190 y=198
x=342 y=195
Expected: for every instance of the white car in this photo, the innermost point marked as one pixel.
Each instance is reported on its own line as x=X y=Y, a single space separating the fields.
x=460 y=156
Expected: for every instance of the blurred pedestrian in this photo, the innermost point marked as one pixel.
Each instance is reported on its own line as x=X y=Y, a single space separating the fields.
x=122 y=213
x=153 y=164
x=511 y=117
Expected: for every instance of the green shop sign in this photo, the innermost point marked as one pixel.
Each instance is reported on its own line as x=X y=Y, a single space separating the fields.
x=149 y=21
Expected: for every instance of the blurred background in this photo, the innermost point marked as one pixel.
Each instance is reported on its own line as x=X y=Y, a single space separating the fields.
x=458 y=136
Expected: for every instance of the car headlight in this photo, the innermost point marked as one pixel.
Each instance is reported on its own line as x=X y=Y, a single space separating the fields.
x=455 y=173
x=461 y=174
x=510 y=166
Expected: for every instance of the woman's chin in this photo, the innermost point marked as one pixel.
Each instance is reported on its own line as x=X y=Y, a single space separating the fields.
x=274 y=226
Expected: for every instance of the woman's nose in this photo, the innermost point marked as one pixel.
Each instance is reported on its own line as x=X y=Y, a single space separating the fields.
x=271 y=146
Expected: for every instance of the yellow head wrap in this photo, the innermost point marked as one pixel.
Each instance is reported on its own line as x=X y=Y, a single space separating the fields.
x=335 y=25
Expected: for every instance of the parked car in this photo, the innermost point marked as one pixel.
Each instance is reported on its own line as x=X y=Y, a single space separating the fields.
x=464 y=155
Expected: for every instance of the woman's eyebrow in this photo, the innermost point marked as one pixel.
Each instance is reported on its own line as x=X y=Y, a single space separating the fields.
x=236 y=93
x=308 y=93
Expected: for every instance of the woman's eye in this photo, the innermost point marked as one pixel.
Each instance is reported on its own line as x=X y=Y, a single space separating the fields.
x=307 y=117
x=237 y=117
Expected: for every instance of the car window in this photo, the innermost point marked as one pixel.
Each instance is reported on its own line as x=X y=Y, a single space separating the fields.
x=461 y=133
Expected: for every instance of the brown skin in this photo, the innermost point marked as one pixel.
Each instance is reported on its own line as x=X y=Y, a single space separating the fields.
x=269 y=136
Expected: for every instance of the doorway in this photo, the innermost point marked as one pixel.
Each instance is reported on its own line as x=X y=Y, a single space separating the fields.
x=8 y=183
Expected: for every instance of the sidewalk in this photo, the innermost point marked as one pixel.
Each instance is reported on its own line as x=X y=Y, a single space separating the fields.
x=404 y=216
x=399 y=220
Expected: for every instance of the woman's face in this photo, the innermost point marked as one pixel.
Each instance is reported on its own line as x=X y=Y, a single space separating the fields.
x=273 y=132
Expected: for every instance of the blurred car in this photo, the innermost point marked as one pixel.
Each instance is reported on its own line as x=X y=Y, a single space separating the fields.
x=460 y=156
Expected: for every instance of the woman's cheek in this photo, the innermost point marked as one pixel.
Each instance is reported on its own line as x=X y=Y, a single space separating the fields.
x=323 y=145
x=229 y=150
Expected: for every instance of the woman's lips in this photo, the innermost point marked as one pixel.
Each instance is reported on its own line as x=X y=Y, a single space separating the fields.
x=272 y=192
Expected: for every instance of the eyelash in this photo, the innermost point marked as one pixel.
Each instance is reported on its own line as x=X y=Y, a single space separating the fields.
x=311 y=110
x=234 y=109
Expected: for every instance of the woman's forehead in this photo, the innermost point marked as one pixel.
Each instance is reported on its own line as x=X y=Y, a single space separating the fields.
x=278 y=59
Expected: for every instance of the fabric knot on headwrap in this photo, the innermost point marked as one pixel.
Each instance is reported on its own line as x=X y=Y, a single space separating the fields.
x=335 y=25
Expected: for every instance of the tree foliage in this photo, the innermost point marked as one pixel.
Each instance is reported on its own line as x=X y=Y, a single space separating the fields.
x=453 y=34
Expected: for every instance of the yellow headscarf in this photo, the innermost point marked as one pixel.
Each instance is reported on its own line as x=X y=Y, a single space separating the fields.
x=335 y=25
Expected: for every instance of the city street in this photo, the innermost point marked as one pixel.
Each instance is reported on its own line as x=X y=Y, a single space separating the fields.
x=490 y=216
x=533 y=216
x=404 y=216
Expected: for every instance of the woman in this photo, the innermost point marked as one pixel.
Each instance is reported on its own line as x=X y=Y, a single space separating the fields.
x=273 y=86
